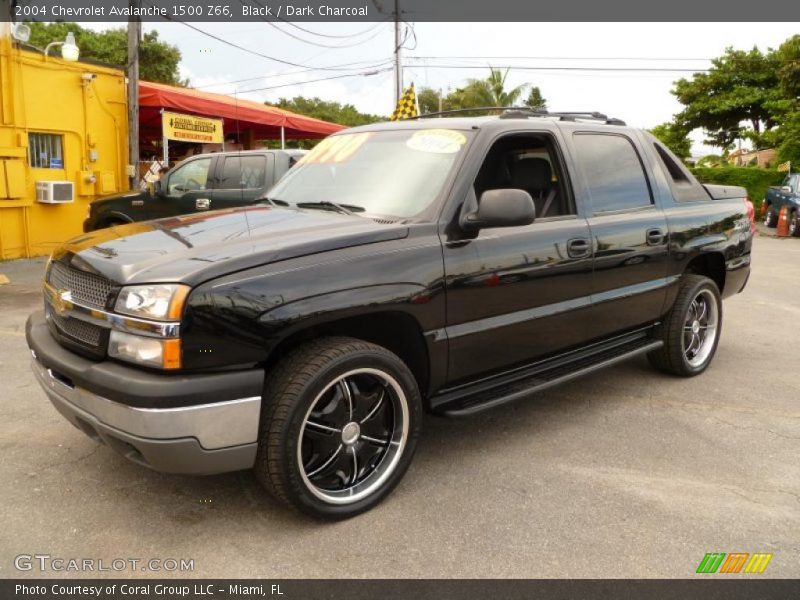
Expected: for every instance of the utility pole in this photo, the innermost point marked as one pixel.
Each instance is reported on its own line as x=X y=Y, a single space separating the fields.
x=134 y=35
x=398 y=66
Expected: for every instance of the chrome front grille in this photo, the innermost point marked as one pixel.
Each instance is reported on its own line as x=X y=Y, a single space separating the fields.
x=86 y=288
x=81 y=331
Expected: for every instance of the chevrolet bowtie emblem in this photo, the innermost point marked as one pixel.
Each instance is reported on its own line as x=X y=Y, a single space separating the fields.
x=62 y=300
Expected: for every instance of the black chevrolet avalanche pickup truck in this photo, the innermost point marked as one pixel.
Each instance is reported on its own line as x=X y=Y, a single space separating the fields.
x=447 y=265
x=198 y=184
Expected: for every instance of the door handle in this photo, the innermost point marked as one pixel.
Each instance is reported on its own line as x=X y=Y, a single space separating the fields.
x=654 y=236
x=579 y=248
x=202 y=203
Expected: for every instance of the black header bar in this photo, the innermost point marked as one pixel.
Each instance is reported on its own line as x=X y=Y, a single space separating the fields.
x=410 y=10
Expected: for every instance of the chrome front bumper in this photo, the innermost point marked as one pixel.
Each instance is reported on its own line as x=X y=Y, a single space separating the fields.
x=198 y=439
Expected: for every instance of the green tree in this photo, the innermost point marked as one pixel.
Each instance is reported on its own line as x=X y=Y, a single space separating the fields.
x=674 y=137
x=787 y=136
x=428 y=99
x=488 y=92
x=334 y=112
x=535 y=100
x=788 y=56
x=788 y=140
x=158 y=60
x=739 y=87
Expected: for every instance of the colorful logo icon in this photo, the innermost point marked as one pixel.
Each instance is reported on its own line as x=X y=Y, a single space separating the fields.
x=736 y=562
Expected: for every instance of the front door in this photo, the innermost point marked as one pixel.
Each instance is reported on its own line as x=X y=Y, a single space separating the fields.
x=519 y=293
x=186 y=189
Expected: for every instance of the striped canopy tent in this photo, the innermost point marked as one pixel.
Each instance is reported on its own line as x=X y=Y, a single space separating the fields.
x=251 y=120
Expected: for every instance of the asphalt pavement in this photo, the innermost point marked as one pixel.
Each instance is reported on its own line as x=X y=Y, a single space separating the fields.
x=625 y=473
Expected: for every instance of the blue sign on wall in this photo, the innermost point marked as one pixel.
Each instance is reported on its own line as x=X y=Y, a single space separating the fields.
x=56 y=163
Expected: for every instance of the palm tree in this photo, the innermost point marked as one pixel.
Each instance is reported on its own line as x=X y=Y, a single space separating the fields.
x=490 y=91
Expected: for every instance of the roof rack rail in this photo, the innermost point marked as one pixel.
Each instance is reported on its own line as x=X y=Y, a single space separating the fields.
x=512 y=112
x=457 y=111
x=593 y=116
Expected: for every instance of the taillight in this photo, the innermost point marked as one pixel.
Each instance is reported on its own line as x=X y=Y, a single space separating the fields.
x=751 y=212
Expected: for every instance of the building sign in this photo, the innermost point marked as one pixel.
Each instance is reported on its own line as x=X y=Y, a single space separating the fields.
x=188 y=128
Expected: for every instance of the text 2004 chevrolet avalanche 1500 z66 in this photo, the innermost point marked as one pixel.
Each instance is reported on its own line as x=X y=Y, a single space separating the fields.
x=448 y=266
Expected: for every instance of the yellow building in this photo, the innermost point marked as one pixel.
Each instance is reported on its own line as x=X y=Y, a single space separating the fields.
x=62 y=122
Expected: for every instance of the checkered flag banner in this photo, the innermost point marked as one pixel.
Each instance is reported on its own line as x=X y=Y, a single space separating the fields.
x=407 y=105
x=782 y=168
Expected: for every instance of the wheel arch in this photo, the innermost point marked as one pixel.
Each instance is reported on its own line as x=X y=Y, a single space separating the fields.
x=107 y=218
x=711 y=265
x=395 y=330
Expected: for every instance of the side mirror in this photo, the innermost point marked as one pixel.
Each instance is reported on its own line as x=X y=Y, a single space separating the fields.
x=786 y=189
x=501 y=208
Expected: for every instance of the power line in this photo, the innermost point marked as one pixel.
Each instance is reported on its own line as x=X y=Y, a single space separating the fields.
x=311 y=43
x=358 y=65
x=631 y=58
x=282 y=85
x=249 y=50
x=542 y=68
x=253 y=52
x=272 y=24
x=296 y=26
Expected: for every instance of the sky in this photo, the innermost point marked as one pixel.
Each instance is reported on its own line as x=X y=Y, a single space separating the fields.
x=445 y=55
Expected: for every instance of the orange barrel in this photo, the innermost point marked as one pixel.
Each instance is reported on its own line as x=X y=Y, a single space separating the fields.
x=783 y=222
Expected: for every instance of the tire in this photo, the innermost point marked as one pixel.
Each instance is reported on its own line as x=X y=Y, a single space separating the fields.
x=691 y=330
x=331 y=407
x=794 y=224
x=771 y=218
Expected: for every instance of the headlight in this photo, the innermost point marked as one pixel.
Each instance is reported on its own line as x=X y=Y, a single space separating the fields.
x=162 y=302
x=148 y=351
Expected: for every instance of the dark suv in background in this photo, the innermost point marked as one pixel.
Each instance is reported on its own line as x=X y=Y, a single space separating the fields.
x=200 y=183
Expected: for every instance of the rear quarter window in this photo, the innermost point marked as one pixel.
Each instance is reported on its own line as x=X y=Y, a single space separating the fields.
x=682 y=184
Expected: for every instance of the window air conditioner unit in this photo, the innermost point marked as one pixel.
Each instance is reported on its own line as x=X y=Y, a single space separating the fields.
x=55 y=192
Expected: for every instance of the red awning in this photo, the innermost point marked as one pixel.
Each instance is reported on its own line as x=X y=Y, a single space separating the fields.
x=238 y=114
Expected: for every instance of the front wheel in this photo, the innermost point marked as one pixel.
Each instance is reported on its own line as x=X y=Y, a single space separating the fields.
x=691 y=330
x=340 y=421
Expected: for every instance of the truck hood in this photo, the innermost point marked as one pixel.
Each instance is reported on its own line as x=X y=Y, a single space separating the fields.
x=195 y=248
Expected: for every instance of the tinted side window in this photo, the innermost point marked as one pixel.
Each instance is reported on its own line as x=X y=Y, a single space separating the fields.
x=613 y=172
x=673 y=168
x=190 y=176
x=243 y=172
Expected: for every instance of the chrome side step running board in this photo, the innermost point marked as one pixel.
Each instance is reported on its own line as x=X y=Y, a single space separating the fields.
x=478 y=397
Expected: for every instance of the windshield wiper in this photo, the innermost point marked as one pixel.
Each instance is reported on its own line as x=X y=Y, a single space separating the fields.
x=347 y=209
x=273 y=201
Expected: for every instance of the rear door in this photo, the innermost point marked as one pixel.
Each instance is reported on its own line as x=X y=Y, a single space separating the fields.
x=241 y=178
x=629 y=232
x=186 y=189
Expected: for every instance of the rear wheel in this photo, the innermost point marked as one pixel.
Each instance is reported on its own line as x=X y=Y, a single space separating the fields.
x=794 y=224
x=691 y=330
x=771 y=218
x=340 y=423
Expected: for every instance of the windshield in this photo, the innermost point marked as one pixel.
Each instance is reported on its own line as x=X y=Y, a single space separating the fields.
x=395 y=173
